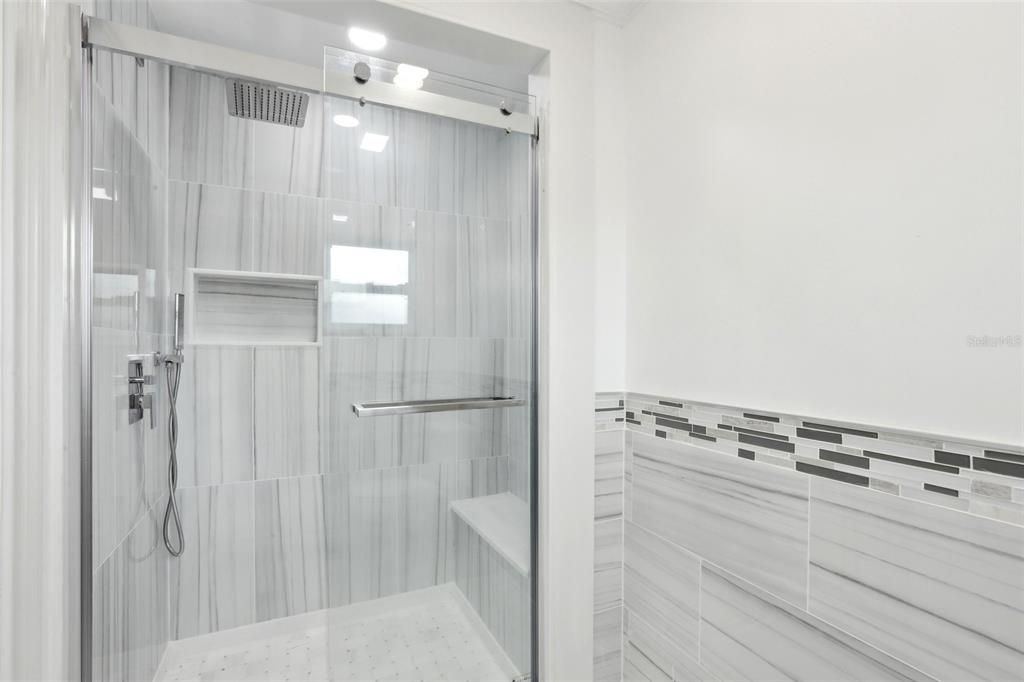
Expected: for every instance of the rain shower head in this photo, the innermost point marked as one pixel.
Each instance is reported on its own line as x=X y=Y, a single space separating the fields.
x=259 y=102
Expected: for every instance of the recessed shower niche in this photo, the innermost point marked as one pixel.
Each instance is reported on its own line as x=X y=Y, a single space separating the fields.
x=230 y=308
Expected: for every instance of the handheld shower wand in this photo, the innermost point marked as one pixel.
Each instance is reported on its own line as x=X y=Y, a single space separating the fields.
x=173 y=363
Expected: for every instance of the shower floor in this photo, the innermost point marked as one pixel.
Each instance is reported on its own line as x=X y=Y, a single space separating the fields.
x=430 y=634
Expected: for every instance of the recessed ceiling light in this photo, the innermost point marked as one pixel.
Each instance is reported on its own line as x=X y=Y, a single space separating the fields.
x=372 y=142
x=101 y=193
x=414 y=72
x=407 y=82
x=338 y=218
x=345 y=121
x=367 y=40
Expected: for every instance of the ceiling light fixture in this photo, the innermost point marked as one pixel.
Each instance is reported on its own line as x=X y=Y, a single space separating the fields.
x=338 y=218
x=372 y=142
x=367 y=40
x=345 y=121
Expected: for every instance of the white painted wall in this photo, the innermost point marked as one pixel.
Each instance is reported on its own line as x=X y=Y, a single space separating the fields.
x=610 y=123
x=567 y=313
x=825 y=202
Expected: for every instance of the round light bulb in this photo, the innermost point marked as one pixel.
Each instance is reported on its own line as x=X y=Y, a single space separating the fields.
x=367 y=40
x=345 y=121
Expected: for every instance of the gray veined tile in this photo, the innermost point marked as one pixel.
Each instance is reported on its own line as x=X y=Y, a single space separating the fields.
x=211 y=583
x=940 y=589
x=481 y=476
x=662 y=586
x=366 y=369
x=746 y=510
x=286 y=391
x=208 y=227
x=216 y=416
x=646 y=654
x=288 y=234
x=484 y=287
x=482 y=371
x=354 y=174
x=609 y=447
x=608 y=645
x=207 y=144
x=607 y=564
x=747 y=634
x=291 y=547
x=388 y=530
x=287 y=159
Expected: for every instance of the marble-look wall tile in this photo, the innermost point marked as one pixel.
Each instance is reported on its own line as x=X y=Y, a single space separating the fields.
x=608 y=645
x=209 y=227
x=940 y=589
x=609 y=449
x=354 y=174
x=661 y=584
x=119 y=455
x=215 y=412
x=206 y=144
x=363 y=369
x=482 y=373
x=286 y=392
x=607 y=564
x=291 y=547
x=646 y=654
x=290 y=160
x=481 y=476
x=497 y=592
x=130 y=606
x=288 y=234
x=388 y=531
x=484 y=289
x=746 y=509
x=747 y=634
x=211 y=583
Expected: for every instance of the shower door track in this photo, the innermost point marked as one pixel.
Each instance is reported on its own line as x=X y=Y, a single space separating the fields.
x=178 y=51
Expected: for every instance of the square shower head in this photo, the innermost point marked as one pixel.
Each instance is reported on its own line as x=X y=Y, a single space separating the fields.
x=260 y=102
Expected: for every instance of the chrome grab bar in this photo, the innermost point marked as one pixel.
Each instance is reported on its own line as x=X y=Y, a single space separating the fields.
x=381 y=409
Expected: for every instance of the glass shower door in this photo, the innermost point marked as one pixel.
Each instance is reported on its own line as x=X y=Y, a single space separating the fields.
x=427 y=390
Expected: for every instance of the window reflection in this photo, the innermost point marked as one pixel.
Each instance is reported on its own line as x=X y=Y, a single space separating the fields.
x=367 y=285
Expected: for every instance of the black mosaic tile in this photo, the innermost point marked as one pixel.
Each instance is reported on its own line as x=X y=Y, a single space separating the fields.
x=843 y=458
x=1008 y=456
x=703 y=437
x=630 y=415
x=672 y=423
x=953 y=459
x=697 y=428
x=998 y=466
x=633 y=421
x=746 y=454
x=825 y=472
x=841 y=429
x=669 y=403
x=608 y=409
x=827 y=436
x=725 y=427
x=670 y=416
x=660 y=434
x=911 y=462
x=764 y=434
x=762 y=417
x=767 y=443
x=940 y=489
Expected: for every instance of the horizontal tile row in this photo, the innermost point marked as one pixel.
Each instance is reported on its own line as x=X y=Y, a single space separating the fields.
x=983 y=479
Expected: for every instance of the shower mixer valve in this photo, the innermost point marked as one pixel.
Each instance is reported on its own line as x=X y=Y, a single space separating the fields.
x=139 y=402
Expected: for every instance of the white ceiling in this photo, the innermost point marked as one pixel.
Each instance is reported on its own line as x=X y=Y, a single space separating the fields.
x=298 y=31
x=616 y=11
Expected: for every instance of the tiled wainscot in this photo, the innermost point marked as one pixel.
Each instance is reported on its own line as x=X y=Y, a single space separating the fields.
x=741 y=544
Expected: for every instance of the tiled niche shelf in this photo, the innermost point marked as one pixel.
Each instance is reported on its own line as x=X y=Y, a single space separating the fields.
x=234 y=308
x=503 y=522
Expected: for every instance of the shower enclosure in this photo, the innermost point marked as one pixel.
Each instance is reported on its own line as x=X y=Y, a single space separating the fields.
x=356 y=408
